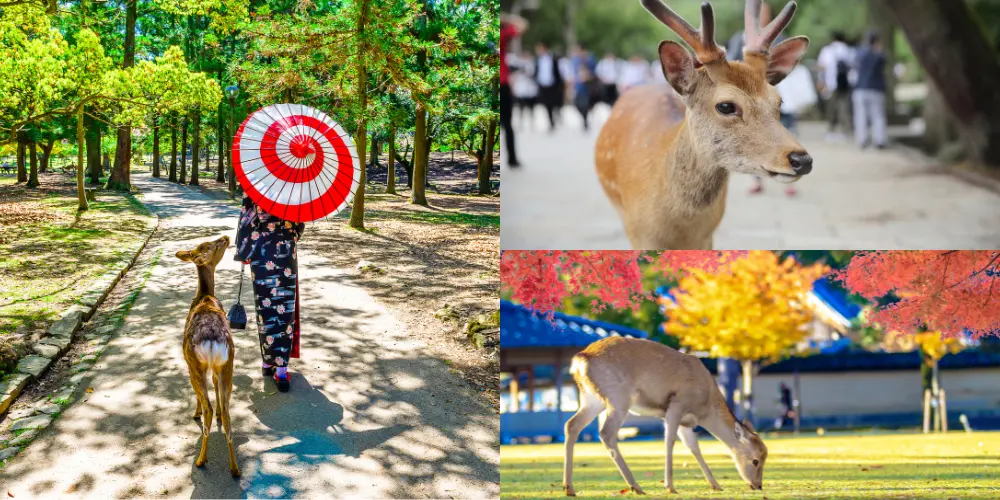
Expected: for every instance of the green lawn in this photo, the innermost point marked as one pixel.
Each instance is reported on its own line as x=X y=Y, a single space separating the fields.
x=956 y=465
x=50 y=254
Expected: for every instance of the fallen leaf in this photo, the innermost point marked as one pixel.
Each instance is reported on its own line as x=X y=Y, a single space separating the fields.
x=10 y=494
x=623 y=491
x=90 y=389
x=863 y=469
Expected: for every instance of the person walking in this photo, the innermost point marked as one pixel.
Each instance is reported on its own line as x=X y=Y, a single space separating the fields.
x=510 y=27
x=524 y=88
x=786 y=408
x=268 y=245
x=550 y=82
x=583 y=83
x=869 y=95
x=835 y=61
x=608 y=73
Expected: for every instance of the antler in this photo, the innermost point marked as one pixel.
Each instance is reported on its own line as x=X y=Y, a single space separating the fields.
x=703 y=42
x=759 y=38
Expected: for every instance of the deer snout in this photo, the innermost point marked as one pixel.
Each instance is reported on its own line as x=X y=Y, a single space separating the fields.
x=801 y=162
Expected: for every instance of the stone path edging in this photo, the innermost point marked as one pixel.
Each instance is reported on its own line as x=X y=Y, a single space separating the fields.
x=49 y=349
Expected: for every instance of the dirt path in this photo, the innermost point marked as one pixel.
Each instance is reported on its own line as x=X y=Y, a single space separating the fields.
x=371 y=412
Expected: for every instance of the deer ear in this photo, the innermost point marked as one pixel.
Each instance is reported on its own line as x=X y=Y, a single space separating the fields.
x=185 y=255
x=749 y=425
x=784 y=57
x=741 y=434
x=678 y=66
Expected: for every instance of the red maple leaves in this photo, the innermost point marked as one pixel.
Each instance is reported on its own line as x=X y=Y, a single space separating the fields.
x=947 y=291
x=542 y=279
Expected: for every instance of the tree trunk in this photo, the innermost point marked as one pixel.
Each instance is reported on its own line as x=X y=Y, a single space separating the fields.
x=956 y=55
x=196 y=148
x=419 y=177
x=22 y=171
x=881 y=21
x=33 y=175
x=120 y=178
x=486 y=161
x=373 y=161
x=747 y=391
x=390 y=185
x=184 y=148
x=156 y=147
x=407 y=165
x=93 y=139
x=361 y=141
x=46 y=156
x=221 y=174
x=81 y=195
x=173 y=151
x=940 y=128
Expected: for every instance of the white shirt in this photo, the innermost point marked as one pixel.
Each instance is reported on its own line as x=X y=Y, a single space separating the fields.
x=546 y=70
x=523 y=86
x=634 y=73
x=657 y=70
x=566 y=69
x=829 y=57
x=607 y=71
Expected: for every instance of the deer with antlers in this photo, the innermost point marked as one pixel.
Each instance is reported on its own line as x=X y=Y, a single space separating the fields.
x=665 y=154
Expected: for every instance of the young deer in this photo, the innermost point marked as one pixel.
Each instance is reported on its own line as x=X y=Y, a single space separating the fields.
x=208 y=347
x=665 y=154
x=617 y=374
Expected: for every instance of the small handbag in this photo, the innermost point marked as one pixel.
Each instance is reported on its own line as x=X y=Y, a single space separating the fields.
x=238 y=314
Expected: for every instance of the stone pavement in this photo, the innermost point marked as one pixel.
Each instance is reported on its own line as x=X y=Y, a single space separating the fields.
x=371 y=413
x=853 y=200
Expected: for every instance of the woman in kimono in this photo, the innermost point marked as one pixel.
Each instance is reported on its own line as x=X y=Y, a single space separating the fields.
x=267 y=244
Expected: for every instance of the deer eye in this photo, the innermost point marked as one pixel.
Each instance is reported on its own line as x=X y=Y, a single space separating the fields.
x=727 y=108
x=755 y=462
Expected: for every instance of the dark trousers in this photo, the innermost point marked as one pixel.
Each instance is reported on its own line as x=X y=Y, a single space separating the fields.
x=506 y=121
x=551 y=98
x=610 y=94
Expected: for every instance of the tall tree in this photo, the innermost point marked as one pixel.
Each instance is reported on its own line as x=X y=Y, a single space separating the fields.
x=120 y=178
x=195 y=147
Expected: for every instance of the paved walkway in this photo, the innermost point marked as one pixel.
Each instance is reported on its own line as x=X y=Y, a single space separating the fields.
x=370 y=413
x=852 y=200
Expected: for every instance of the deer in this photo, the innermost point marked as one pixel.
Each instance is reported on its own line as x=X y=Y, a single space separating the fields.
x=208 y=347
x=665 y=154
x=618 y=375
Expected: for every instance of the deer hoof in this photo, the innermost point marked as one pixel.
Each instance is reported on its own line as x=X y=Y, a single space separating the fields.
x=570 y=492
x=200 y=462
x=638 y=491
x=672 y=490
x=716 y=487
x=235 y=471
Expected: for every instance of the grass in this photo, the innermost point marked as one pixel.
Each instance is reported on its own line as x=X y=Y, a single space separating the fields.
x=954 y=465
x=50 y=253
x=440 y=217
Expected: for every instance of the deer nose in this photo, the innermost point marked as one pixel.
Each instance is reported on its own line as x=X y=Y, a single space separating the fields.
x=801 y=162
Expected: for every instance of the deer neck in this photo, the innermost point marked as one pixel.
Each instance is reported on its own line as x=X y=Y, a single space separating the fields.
x=206 y=282
x=696 y=182
x=722 y=424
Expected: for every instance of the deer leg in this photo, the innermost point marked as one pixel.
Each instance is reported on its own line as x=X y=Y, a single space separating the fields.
x=672 y=422
x=199 y=381
x=227 y=392
x=613 y=421
x=218 y=400
x=590 y=407
x=691 y=441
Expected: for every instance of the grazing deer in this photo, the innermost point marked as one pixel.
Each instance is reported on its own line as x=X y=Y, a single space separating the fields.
x=617 y=374
x=665 y=154
x=208 y=347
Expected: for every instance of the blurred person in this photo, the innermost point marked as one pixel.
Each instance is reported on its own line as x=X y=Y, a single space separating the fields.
x=656 y=72
x=524 y=88
x=835 y=61
x=635 y=72
x=734 y=52
x=608 y=74
x=786 y=408
x=869 y=94
x=510 y=27
x=549 y=79
x=584 y=82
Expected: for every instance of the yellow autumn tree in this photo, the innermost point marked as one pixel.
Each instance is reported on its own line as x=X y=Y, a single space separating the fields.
x=753 y=309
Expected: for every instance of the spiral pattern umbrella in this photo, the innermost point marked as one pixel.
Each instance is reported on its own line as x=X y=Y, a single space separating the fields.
x=295 y=162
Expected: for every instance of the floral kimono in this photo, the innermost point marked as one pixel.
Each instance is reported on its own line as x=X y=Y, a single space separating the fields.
x=268 y=244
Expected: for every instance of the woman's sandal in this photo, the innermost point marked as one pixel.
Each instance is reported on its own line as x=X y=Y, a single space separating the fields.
x=283 y=383
x=267 y=371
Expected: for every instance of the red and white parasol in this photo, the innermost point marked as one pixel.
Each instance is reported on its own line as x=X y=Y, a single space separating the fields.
x=295 y=162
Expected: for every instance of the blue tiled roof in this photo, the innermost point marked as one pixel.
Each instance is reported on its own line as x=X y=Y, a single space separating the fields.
x=836 y=298
x=520 y=328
